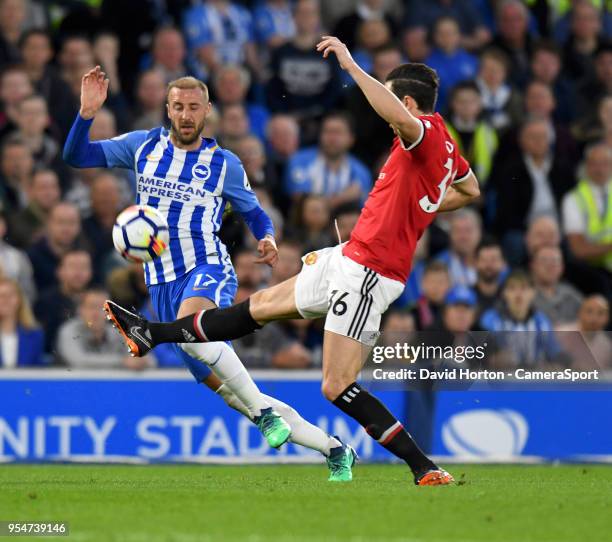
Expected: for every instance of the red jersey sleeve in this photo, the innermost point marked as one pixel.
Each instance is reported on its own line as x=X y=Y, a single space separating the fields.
x=463 y=169
x=429 y=142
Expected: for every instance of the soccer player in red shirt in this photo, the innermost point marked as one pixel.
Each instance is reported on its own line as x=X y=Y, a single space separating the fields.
x=354 y=283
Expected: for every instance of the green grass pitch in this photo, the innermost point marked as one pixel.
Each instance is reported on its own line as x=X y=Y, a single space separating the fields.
x=295 y=503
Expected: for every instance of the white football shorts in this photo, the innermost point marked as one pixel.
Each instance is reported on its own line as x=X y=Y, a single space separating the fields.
x=352 y=296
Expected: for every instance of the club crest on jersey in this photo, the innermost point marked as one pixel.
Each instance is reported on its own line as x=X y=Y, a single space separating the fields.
x=201 y=172
x=310 y=258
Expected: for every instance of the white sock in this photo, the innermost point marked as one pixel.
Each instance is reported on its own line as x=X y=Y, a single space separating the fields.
x=224 y=362
x=302 y=432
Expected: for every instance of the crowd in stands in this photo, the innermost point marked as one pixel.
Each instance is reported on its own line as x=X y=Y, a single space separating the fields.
x=526 y=91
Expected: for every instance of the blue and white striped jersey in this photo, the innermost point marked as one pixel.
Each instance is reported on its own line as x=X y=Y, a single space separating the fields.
x=190 y=188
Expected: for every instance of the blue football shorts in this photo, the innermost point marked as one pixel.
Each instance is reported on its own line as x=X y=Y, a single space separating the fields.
x=215 y=282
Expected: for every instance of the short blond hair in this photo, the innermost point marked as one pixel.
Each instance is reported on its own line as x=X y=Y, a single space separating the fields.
x=185 y=83
x=25 y=316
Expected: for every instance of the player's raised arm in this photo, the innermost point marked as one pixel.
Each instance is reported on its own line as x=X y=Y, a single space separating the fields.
x=384 y=102
x=79 y=151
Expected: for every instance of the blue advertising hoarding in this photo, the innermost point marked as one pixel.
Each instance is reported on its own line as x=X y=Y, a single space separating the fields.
x=164 y=416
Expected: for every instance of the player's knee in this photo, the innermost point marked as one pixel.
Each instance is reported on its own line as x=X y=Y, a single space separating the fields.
x=333 y=387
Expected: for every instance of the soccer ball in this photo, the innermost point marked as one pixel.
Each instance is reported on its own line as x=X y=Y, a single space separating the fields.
x=140 y=233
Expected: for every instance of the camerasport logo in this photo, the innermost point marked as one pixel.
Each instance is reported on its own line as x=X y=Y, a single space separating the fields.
x=486 y=433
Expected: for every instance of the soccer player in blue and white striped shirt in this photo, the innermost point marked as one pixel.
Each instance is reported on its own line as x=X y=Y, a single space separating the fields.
x=190 y=179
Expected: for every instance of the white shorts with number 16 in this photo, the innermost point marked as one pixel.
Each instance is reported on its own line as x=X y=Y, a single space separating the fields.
x=352 y=296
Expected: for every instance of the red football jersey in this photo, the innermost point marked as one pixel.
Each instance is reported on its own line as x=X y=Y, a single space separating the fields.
x=405 y=199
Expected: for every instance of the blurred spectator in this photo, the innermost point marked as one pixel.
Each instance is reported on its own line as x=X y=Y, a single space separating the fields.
x=584 y=39
x=98 y=228
x=435 y=284
x=415 y=45
x=345 y=219
x=150 y=100
x=542 y=231
x=529 y=187
x=252 y=154
x=13 y=15
x=106 y=53
x=303 y=82
x=313 y=223
x=14 y=264
x=249 y=274
x=557 y=299
x=540 y=104
x=546 y=69
x=21 y=340
x=273 y=20
x=329 y=169
x=465 y=235
x=524 y=334
x=367 y=121
x=231 y=84
x=168 y=54
x=371 y=35
x=27 y=225
x=32 y=123
x=220 y=32
x=365 y=10
x=88 y=342
x=126 y=286
x=501 y=103
x=135 y=22
x=289 y=261
x=591 y=91
x=75 y=58
x=397 y=325
x=459 y=312
x=15 y=85
x=62 y=232
x=605 y=120
x=58 y=303
x=413 y=289
x=513 y=37
x=424 y=13
x=453 y=63
x=476 y=138
x=233 y=126
x=37 y=52
x=592 y=348
x=587 y=211
x=16 y=166
x=490 y=270
x=283 y=138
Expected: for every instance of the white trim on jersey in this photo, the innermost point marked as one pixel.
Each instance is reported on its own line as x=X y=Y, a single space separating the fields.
x=418 y=139
x=461 y=179
x=172 y=175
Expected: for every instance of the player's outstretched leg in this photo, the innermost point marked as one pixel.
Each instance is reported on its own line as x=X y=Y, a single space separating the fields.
x=210 y=325
x=340 y=457
x=342 y=361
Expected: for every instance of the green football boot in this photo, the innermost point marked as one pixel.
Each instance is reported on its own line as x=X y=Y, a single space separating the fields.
x=340 y=463
x=276 y=430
